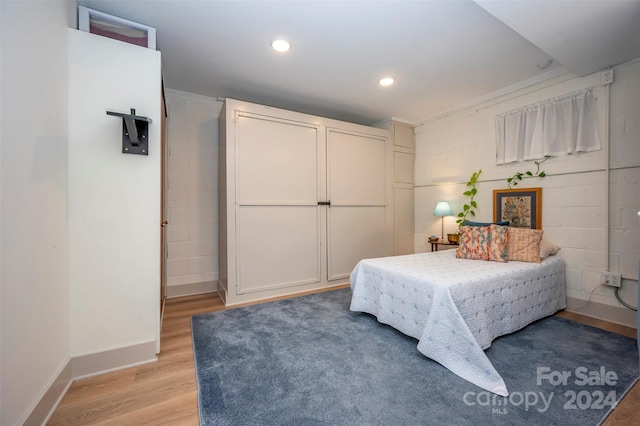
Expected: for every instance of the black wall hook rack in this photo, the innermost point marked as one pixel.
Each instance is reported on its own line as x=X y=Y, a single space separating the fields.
x=135 y=132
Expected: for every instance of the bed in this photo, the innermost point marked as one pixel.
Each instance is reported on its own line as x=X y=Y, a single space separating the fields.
x=456 y=307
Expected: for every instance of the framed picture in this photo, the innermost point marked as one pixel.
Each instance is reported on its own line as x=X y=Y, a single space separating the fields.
x=100 y=23
x=521 y=207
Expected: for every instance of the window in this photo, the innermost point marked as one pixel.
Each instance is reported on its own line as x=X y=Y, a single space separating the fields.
x=559 y=126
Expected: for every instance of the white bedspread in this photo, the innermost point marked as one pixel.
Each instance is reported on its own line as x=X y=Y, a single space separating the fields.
x=456 y=307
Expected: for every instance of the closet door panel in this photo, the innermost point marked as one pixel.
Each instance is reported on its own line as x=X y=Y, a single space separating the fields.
x=277 y=215
x=402 y=167
x=356 y=181
x=356 y=168
x=403 y=221
x=276 y=161
x=278 y=246
x=355 y=233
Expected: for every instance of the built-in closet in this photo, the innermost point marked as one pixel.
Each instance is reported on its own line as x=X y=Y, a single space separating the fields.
x=403 y=152
x=302 y=200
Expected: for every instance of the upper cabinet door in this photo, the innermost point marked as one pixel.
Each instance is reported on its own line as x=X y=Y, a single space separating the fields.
x=403 y=135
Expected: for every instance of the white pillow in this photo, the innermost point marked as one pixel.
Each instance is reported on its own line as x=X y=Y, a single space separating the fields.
x=547 y=248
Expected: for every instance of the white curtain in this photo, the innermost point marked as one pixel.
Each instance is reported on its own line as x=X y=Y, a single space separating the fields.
x=559 y=126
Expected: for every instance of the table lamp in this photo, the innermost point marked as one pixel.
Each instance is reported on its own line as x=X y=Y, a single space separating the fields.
x=442 y=209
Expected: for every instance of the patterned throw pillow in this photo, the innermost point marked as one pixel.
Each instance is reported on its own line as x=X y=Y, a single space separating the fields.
x=483 y=243
x=499 y=243
x=474 y=243
x=524 y=244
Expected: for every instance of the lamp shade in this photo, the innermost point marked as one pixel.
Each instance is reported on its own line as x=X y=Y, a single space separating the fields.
x=442 y=209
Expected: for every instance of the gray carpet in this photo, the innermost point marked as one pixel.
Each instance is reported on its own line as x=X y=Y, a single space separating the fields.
x=310 y=361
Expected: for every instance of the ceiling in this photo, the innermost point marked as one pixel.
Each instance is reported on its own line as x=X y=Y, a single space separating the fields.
x=443 y=54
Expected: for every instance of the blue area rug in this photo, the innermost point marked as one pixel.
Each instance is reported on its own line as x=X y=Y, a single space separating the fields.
x=311 y=361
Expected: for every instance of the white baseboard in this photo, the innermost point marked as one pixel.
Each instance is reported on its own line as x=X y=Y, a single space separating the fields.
x=113 y=360
x=614 y=314
x=86 y=366
x=191 y=289
x=41 y=414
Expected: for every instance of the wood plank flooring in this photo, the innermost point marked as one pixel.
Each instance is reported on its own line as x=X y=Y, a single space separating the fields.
x=165 y=392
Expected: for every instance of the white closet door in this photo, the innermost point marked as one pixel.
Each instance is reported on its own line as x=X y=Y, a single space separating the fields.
x=277 y=191
x=403 y=221
x=356 y=169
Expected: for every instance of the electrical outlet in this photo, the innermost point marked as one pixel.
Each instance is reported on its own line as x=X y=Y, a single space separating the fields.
x=607 y=77
x=611 y=279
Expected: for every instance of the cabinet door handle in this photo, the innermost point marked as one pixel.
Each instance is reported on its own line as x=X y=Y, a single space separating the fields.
x=324 y=203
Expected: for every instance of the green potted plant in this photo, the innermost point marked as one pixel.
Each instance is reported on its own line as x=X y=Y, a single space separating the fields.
x=469 y=208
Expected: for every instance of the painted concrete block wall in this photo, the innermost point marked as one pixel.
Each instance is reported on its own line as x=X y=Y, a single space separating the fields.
x=192 y=193
x=575 y=206
x=34 y=279
x=114 y=198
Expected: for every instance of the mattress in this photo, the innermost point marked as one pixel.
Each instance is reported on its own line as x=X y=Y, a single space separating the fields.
x=457 y=307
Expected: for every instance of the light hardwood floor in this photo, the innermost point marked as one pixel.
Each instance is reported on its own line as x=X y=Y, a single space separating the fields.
x=165 y=392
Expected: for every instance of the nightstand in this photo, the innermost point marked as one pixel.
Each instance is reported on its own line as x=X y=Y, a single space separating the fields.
x=441 y=242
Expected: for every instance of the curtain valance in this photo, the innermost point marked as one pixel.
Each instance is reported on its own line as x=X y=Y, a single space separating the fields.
x=563 y=125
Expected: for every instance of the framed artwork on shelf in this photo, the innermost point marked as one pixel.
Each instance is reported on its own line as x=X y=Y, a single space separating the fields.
x=100 y=23
x=521 y=207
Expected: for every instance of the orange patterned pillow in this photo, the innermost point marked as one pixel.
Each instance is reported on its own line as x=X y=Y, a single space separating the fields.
x=474 y=243
x=483 y=243
x=524 y=244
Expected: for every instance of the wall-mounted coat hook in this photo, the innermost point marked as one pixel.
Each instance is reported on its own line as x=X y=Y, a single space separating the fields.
x=135 y=132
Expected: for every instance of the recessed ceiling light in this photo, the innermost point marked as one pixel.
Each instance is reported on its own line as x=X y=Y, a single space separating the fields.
x=280 y=44
x=545 y=64
x=386 y=81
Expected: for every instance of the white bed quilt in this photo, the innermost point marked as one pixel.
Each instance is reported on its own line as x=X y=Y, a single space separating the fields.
x=456 y=307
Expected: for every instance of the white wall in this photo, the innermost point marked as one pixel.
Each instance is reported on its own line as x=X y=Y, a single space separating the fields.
x=192 y=196
x=114 y=198
x=449 y=148
x=34 y=288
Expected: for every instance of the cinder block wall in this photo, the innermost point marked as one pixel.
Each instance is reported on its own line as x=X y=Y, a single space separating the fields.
x=574 y=197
